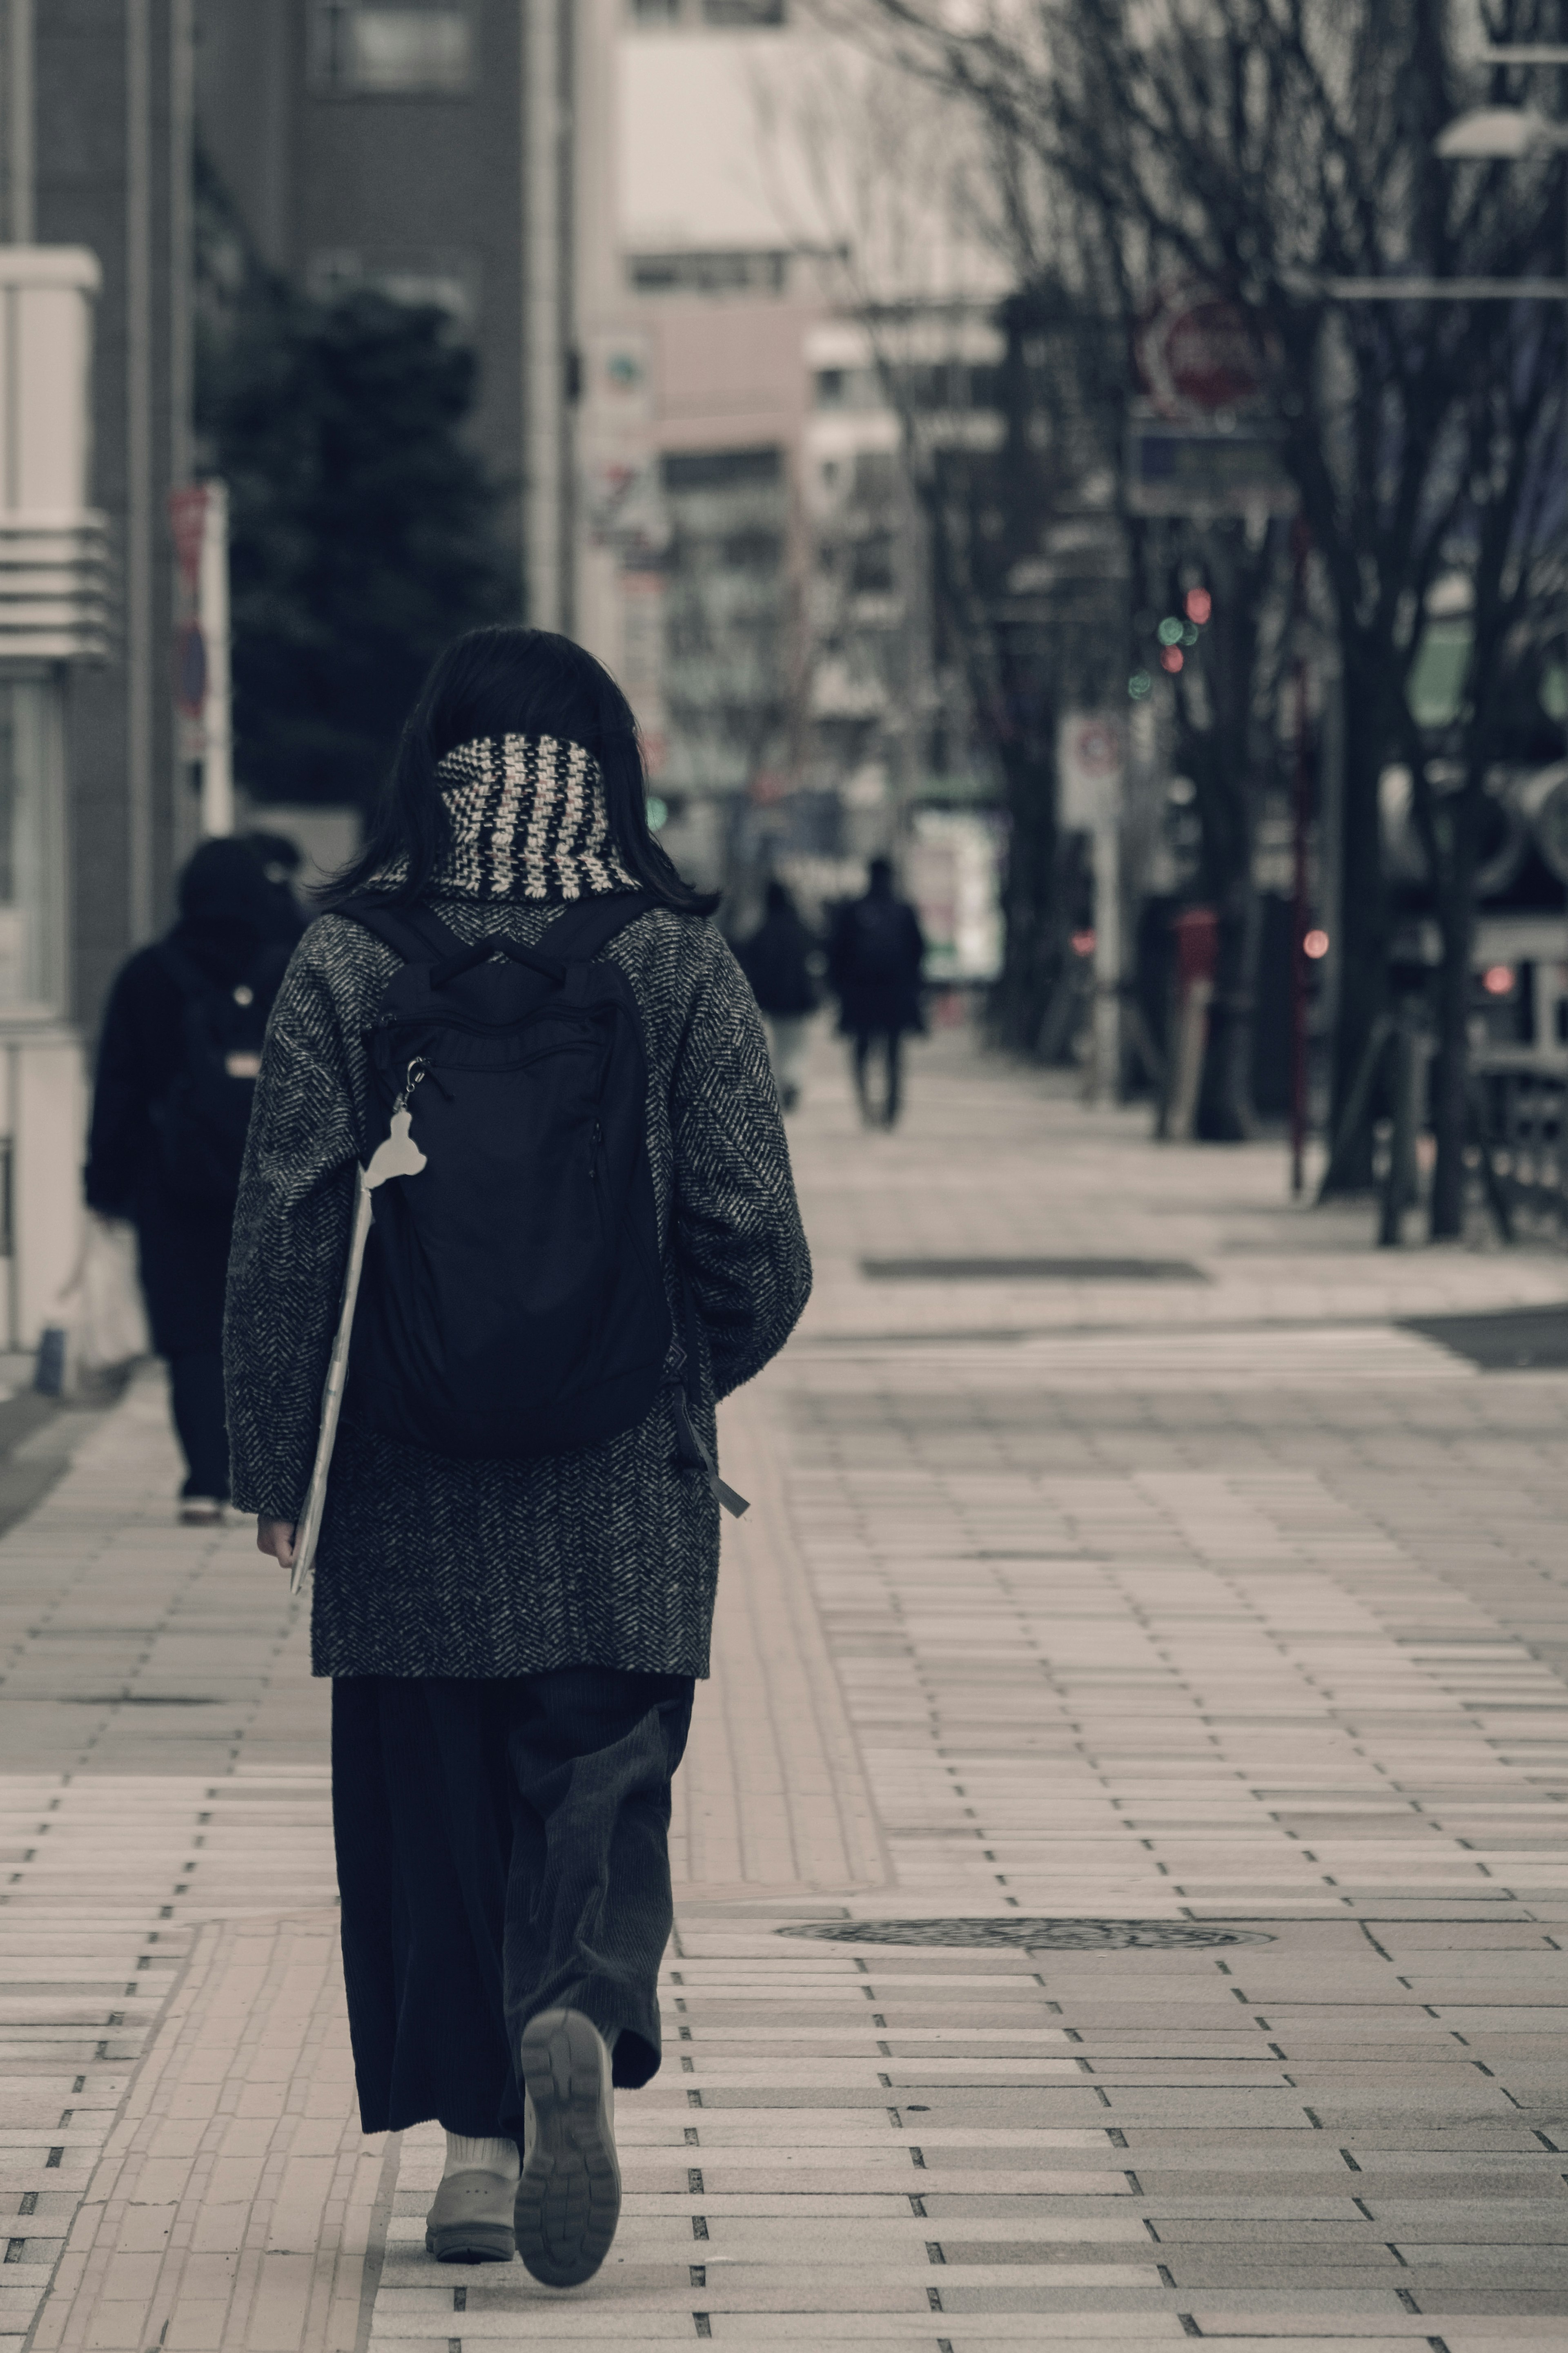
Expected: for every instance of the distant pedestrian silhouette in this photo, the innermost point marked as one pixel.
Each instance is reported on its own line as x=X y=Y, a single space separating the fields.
x=874 y=960
x=777 y=960
x=177 y=1070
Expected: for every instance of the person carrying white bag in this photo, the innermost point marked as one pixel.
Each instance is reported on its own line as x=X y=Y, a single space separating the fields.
x=177 y=1061
x=99 y=1326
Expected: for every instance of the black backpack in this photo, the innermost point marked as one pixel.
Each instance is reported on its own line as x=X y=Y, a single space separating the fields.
x=200 y=1120
x=878 y=940
x=512 y=1301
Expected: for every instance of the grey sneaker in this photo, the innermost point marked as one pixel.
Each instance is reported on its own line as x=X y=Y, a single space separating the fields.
x=569 y=2197
x=470 y=2222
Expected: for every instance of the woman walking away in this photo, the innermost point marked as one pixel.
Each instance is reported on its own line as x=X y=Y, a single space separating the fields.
x=589 y=1235
x=777 y=960
x=177 y=1070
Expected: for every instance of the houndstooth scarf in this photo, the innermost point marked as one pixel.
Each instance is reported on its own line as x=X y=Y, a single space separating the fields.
x=528 y=821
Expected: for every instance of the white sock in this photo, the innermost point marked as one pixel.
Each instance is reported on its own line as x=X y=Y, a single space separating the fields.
x=494 y=2156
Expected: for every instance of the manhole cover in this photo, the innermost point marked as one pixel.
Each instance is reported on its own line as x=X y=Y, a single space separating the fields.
x=1059 y=1936
x=1031 y=1270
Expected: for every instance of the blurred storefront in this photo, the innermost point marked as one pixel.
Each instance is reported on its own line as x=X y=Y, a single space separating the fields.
x=952 y=870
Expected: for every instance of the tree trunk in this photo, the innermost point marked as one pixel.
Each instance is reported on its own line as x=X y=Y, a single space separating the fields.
x=1219 y=755
x=1456 y=916
x=1225 y=1097
x=1362 y=945
x=1031 y=955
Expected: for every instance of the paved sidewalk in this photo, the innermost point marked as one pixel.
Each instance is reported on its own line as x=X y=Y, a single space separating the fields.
x=1121 y=1871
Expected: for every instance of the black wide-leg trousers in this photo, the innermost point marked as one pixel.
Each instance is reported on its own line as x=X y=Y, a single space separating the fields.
x=502 y=1848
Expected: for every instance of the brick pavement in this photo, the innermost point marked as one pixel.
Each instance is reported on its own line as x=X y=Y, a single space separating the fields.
x=1219 y=1607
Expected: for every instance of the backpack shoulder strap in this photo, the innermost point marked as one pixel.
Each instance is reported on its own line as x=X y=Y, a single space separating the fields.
x=415 y=933
x=186 y=974
x=268 y=965
x=588 y=925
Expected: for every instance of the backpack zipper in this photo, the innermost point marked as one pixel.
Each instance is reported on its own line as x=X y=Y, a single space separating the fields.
x=505 y=1070
x=470 y=1027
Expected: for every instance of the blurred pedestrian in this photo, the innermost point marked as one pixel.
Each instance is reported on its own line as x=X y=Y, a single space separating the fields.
x=177 y=1060
x=513 y=1600
x=777 y=960
x=874 y=958
x=281 y=860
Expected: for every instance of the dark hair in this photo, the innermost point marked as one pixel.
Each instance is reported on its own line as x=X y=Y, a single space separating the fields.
x=879 y=874
x=512 y=681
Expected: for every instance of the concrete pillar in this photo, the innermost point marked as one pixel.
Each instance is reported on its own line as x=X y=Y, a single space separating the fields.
x=548 y=311
x=53 y=612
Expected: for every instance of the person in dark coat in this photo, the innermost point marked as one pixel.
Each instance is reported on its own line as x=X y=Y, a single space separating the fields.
x=232 y=936
x=874 y=959
x=513 y=1642
x=777 y=960
x=281 y=860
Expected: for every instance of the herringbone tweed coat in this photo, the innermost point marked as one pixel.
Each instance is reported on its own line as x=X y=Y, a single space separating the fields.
x=429 y=1566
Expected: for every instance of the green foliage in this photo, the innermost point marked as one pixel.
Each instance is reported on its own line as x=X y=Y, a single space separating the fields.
x=363 y=533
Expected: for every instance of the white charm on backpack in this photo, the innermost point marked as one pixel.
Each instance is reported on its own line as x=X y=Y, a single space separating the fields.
x=399 y=1156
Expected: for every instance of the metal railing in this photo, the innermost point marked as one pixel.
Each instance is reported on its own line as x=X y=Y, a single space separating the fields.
x=1520 y=1096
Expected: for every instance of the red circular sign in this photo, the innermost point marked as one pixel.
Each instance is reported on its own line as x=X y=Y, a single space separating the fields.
x=1197 y=351
x=1097 y=749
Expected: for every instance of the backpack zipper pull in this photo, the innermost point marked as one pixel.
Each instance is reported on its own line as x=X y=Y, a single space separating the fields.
x=418 y=1069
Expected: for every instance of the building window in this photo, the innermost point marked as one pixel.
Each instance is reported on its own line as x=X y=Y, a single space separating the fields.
x=707 y=12
x=876 y=476
x=436 y=281
x=726 y=615
x=396 y=51
x=720 y=470
x=844 y=387
x=735 y=272
x=871 y=568
x=752 y=549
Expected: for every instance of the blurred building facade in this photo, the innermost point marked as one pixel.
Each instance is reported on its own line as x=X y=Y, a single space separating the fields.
x=424 y=151
x=693 y=307
x=753 y=561
x=95 y=810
